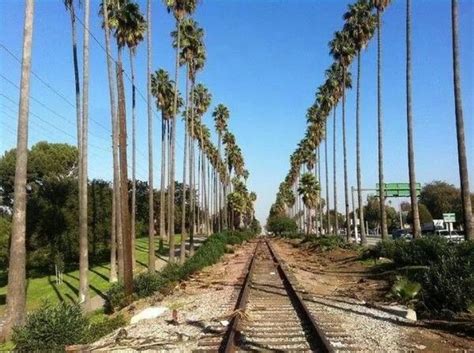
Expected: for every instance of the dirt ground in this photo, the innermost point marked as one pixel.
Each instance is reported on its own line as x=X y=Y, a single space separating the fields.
x=339 y=275
x=202 y=302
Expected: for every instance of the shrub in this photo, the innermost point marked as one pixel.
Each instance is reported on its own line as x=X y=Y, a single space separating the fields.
x=51 y=328
x=103 y=326
x=404 y=289
x=145 y=284
x=326 y=243
x=281 y=225
x=449 y=284
x=115 y=297
x=447 y=280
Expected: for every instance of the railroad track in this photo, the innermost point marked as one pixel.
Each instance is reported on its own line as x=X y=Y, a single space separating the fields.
x=271 y=314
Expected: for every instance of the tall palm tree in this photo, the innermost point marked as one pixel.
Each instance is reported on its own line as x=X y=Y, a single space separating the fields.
x=71 y=8
x=342 y=49
x=83 y=244
x=462 y=157
x=308 y=189
x=360 y=24
x=116 y=227
x=380 y=6
x=180 y=9
x=221 y=116
x=16 y=288
x=136 y=30
x=80 y=127
x=411 y=152
x=192 y=54
x=121 y=15
x=151 y=213
x=326 y=171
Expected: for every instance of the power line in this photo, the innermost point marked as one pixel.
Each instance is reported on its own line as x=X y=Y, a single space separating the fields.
x=55 y=91
x=43 y=105
x=54 y=127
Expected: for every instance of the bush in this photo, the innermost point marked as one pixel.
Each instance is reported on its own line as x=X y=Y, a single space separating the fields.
x=146 y=284
x=447 y=278
x=116 y=297
x=404 y=289
x=449 y=284
x=281 y=225
x=103 y=326
x=51 y=328
x=328 y=243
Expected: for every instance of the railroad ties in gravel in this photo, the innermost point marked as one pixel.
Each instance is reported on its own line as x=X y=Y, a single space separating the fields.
x=273 y=317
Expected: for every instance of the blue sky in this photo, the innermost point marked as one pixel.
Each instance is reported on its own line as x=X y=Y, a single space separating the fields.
x=266 y=59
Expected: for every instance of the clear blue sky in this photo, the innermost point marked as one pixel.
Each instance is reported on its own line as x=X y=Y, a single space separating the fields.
x=265 y=61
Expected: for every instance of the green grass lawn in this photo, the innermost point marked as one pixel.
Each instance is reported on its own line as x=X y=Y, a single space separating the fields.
x=45 y=288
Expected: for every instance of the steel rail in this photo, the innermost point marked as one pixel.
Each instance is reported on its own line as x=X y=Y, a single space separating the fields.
x=316 y=331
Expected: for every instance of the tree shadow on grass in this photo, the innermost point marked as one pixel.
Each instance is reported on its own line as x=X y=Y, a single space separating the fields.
x=71 y=287
x=101 y=275
x=53 y=285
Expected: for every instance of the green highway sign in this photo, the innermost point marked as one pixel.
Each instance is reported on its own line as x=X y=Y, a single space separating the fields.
x=449 y=217
x=399 y=189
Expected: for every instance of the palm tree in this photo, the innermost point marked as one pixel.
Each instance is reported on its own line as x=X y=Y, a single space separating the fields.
x=221 y=116
x=192 y=54
x=151 y=213
x=180 y=9
x=462 y=157
x=81 y=172
x=380 y=6
x=309 y=191
x=83 y=245
x=411 y=151
x=136 y=29
x=16 y=288
x=342 y=49
x=360 y=24
x=122 y=17
x=326 y=171
x=162 y=88
x=116 y=227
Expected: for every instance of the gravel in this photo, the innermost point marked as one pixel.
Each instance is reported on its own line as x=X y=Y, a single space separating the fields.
x=206 y=300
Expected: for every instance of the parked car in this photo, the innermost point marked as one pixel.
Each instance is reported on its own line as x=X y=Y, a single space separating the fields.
x=454 y=236
x=402 y=234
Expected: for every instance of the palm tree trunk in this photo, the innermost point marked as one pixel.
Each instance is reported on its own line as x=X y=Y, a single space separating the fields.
x=83 y=246
x=134 y=162
x=151 y=211
x=383 y=215
x=116 y=232
x=164 y=143
x=336 y=225
x=127 y=243
x=344 y=147
x=185 y=162
x=462 y=157
x=192 y=194
x=411 y=151
x=326 y=169
x=320 y=209
x=16 y=288
x=363 y=236
x=78 y=96
x=172 y=161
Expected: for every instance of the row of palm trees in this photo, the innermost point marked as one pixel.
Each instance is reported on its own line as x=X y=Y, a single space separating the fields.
x=217 y=200
x=361 y=21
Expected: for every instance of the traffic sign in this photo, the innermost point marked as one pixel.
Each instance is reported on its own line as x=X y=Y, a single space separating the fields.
x=449 y=217
x=399 y=189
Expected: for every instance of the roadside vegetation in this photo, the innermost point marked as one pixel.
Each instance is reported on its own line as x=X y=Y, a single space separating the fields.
x=53 y=326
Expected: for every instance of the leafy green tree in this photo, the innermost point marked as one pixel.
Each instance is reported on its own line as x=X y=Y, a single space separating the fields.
x=424 y=215
x=280 y=225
